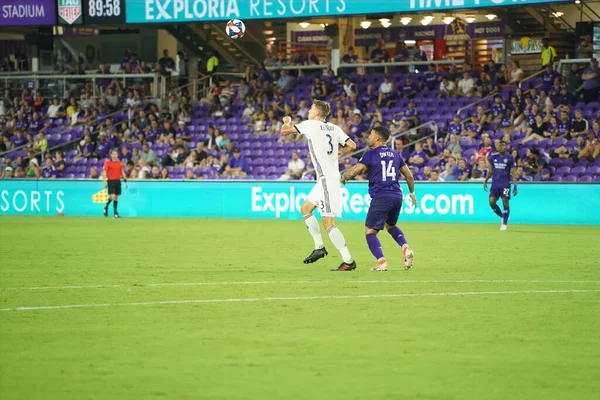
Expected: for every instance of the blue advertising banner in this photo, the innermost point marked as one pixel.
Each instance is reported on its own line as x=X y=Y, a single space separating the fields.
x=570 y=204
x=164 y=11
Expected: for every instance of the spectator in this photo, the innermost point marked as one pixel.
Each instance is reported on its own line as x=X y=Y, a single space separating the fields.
x=86 y=148
x=399 y=144
x=155 y=174
x=536 y=130
x=189 y=175
x=586 y=48
x=285 y=82
x=426 y=173
x=591 y=82
x=147 y=156
x=409 y=89
x=564 y=127
x=466 y=86
x=167 y=64
x=418 y=157
x=164 y=174
x=7 y=172
x=549 y=76
x=516 y=73
x=237 y=165
x=295 y=168
x=476 y=176
x=410 y=116
x=548 y=52
x=498 y=110
x=33 y=171
x=215 y=109
x=41 y=144
x=49 y=171
x=349 y=87
x=447 y=88
x=453 y=145
x=418 y=54
x=350 y=57
x=435 y=177
x=356 y=128
x=485 y=148
x=484 y=85
x=564 y=97
x=534 y=164
x=431 y=148
x=579 y=125
x=379 y=54
x=463 y=172
x=455 y=127
x=318 y=90
x=385 y=89
x=430 y=78
x=473 y=129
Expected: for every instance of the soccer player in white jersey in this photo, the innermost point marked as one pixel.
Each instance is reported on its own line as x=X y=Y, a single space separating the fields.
x=323 y=140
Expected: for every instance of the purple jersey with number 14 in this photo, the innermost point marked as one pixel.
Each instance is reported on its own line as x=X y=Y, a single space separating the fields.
x=384 y=166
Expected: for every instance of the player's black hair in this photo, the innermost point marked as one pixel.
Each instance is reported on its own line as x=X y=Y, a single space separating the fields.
x=382 y=132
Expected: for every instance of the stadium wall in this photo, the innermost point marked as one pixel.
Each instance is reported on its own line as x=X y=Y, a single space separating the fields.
x=537 y=203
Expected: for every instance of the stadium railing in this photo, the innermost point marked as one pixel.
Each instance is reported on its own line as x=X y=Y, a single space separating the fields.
x=411 y=64
x=58 y=85
x=564 y=66
x=491 y=95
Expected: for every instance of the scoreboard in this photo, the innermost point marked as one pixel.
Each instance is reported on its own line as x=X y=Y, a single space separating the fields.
x=104 y=12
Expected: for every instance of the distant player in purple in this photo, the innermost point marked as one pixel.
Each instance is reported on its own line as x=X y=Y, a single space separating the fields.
x=503 y=170
x=384 y=166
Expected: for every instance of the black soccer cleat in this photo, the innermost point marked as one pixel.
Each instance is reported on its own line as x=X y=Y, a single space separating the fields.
x=316 y=255
x=106 y=211
x=346 y=267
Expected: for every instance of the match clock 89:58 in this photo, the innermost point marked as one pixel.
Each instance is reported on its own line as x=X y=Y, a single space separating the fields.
x=104 y=11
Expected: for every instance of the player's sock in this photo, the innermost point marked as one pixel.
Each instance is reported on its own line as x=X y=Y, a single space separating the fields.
x=108 y=203
x=374 y=245
x=313 y=228
x=505 y=215
x=115 y=205
x=497 y=210
x=398 y=236
x=337 y=238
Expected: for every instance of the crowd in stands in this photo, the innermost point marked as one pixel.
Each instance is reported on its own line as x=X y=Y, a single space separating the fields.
x=552 y=125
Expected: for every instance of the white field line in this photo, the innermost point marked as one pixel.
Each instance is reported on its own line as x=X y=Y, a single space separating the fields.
x=271 y=299
x=281 y=283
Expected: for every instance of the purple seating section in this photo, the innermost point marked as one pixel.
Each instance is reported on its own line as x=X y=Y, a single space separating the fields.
x=268 y=157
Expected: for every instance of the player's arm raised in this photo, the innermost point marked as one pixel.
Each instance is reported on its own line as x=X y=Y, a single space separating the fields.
x=489 y=175
x=410 y=182
x=358 y=169
x=288 y=128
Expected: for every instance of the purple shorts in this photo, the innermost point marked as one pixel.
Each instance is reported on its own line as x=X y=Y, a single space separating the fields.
x=500 y=193
x=383 y=210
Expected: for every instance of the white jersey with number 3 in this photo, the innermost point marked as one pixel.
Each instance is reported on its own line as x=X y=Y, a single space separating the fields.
x=323 y=140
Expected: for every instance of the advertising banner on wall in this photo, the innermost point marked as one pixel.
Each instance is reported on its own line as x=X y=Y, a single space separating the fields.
x=437 y=202
x=165 y=11
x=70 y=12
x=370 y=36
x=27 y=12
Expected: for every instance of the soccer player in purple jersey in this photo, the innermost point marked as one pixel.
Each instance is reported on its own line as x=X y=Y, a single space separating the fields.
x=503 y=169
x=384 y=166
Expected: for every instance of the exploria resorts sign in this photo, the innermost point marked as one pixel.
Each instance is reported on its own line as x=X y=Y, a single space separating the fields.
x=164 y=11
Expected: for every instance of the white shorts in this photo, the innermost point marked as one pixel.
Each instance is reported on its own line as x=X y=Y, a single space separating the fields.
x=327 y=196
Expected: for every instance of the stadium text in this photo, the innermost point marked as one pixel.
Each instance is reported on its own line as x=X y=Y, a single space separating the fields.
x=178 y=10
x=289 y=202
x=23 y=11
x=32 y=201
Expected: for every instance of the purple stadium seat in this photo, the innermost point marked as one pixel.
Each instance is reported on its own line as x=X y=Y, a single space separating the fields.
x=563 y=171
x=594 y=170
x=570 y=178
x=584 y=178
x=556 y=178
x=559 y=142
x=578 y=171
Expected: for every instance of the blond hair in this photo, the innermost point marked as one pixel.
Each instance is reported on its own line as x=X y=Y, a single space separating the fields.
x=323 y=107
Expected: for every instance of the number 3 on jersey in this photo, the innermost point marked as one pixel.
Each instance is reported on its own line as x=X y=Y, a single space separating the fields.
x=330 y=145
x=388 y=170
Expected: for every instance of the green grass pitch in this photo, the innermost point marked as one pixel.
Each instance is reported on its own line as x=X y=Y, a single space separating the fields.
x=225 y=309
